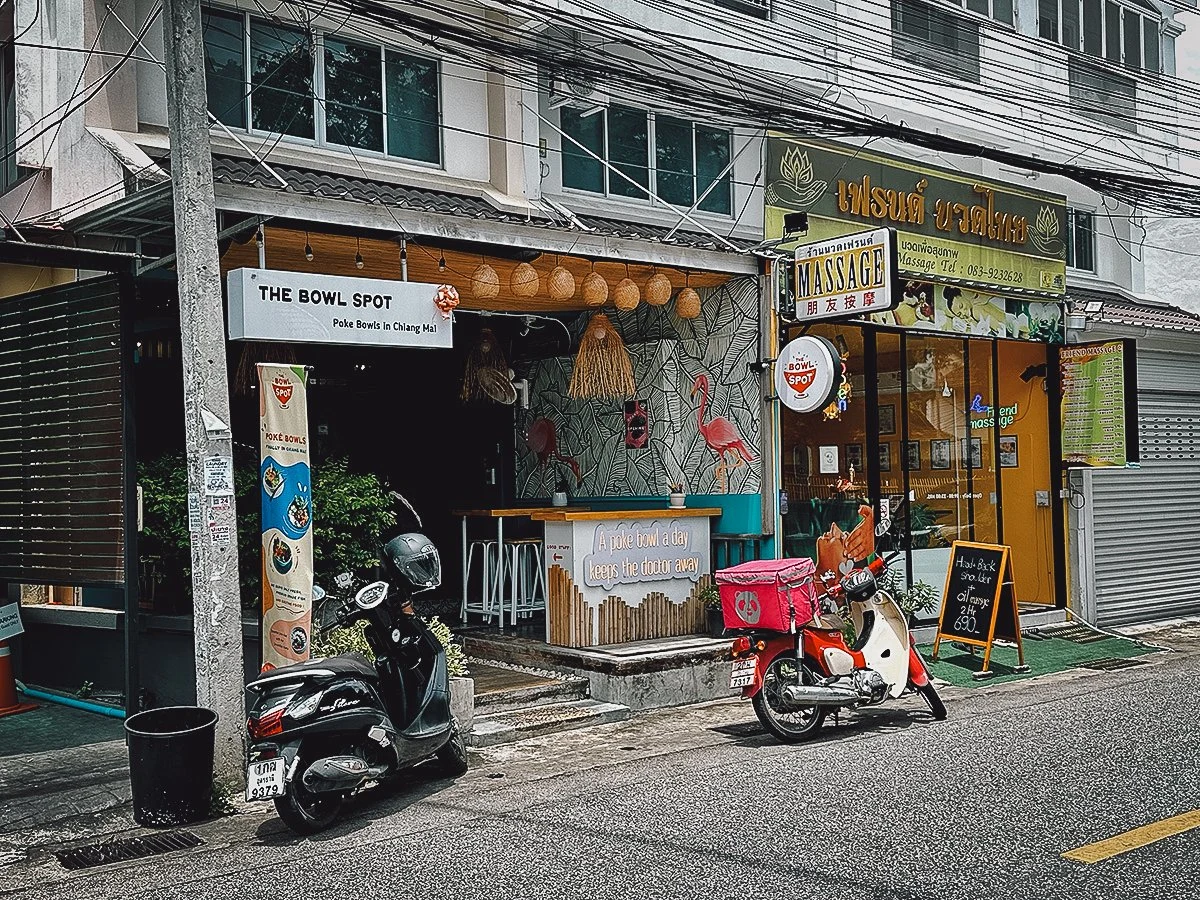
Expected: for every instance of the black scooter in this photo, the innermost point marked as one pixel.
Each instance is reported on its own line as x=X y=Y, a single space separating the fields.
x=321 y=730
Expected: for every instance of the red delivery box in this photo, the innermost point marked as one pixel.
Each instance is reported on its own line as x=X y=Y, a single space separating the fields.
x=763 y=593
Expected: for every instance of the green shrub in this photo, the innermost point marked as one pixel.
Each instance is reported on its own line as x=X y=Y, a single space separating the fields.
x=354 y=638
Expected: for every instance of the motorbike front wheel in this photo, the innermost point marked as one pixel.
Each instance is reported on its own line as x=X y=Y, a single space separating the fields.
x=789 y=724
x=305 y=812
x=936 y=706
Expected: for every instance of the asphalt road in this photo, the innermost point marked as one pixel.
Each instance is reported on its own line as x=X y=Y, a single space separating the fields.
x=700 y=804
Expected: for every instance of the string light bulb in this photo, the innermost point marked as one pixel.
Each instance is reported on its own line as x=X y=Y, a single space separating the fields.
x=358 y=260
x=308 y=251
x=442 y=262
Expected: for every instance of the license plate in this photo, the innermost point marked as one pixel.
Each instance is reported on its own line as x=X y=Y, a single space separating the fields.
x=264 y=780
x=744 y=672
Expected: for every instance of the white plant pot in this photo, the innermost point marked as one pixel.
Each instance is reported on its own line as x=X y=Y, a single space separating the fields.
x=558 y=498
x=462 y=701
x=677 y=500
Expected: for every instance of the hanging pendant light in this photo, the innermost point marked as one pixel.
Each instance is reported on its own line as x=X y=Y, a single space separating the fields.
x=687 y=304
x=602 y=366
x=561 y=283
x=485 y=283
x=595 y=288
x=658 y=289
x=626 y=296
x=308 y=251
x=358 y=260
x=525 y=281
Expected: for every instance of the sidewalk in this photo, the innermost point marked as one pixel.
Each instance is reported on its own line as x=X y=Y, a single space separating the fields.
x=63 y=776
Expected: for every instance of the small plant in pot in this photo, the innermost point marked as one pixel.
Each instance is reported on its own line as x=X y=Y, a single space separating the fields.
x=677 y=496
x=711 y=598
x=559 y=497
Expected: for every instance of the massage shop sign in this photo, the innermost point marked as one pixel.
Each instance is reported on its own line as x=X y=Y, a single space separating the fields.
x=951 y=226
x=298 y=307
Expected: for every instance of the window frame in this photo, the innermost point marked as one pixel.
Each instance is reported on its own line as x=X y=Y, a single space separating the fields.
x=321 y=138
x=962 y=68
x=652 y=199
x=1147 y=19
x=1073 y=213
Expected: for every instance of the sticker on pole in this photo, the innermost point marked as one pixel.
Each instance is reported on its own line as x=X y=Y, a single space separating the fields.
x=10 y=621
x=807 y=374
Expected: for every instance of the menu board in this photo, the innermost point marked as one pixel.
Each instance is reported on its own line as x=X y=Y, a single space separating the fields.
x=1099 y=403
x=979 y=604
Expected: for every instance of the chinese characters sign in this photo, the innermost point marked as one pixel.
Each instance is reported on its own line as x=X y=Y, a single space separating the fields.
x=845 y=276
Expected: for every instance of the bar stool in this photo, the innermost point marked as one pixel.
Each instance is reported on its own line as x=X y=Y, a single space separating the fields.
x=526 y=579
x=491 y=582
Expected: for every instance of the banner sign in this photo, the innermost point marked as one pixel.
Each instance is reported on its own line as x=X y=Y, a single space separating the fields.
x=807 y=374
x=1099 y=404
x=952 y=226
x=846 y=276
x=10 y=621
x=274 y=305
x=285 y=484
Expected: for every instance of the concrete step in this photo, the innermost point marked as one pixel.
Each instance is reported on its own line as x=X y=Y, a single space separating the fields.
x=559 y=690
x=515 y=725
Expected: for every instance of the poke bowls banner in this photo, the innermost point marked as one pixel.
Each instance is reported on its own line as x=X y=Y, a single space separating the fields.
x=285 y=484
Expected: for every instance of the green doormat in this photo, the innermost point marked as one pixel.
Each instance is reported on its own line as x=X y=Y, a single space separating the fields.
x=956 y=665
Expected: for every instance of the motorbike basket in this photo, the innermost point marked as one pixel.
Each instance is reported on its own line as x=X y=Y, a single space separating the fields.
x=768 y=594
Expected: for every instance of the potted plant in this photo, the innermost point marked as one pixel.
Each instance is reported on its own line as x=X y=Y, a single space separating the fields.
x=711 y=598
x=559 y=497
x=677 y=496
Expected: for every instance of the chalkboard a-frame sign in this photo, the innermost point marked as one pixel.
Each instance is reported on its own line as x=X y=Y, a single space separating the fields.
x=979 y=604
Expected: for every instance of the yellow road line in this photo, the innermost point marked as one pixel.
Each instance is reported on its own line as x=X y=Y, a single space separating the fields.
x=1138 y=837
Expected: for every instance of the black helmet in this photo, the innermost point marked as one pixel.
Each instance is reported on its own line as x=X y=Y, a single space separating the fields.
x=412 y=557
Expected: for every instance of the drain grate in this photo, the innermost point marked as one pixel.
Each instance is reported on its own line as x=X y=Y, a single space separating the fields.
x=1077 y=634
x=1108 y=663
x=112 y=851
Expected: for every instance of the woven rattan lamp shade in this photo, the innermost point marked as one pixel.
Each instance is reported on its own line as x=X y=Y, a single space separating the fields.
x=561 y=283
x=595 y=289
x=687 y=304
x=485 y=283
x=658 y=289
x=525 y=281
x=626 y=296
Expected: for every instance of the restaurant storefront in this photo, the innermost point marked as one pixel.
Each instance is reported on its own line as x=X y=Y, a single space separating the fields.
x=946 y=433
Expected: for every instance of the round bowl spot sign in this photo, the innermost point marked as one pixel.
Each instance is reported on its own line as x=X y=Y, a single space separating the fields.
x=807 y=374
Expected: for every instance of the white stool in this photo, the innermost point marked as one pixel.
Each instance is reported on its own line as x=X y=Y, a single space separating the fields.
x=491 y=582
x=526 y=579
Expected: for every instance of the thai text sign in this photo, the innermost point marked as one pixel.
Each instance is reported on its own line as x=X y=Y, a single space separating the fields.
x=647 y=550
x=846 y=276
x=1099 y=404
x=285 y=485
x=949 y=225
x=273 y=305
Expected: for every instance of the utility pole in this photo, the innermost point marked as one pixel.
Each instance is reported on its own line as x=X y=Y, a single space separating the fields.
x=217 y=607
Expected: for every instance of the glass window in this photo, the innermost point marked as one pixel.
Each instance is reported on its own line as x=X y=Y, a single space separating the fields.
x=353 y=95
x=1133 y=39
x=1112 y=32
x=281 y=79
x=628 y=151
x=936 y=39
x=225 y=65
x=1150 y=41
x=712 y=157
x=1102 y=95
x=1093 y=27
x=673 y=158
x=1002 y=11
x=1048 y=19
x=983 y=7
x=1070 y=24
x=413 y=108
x=581 y=170
x=1081 y=240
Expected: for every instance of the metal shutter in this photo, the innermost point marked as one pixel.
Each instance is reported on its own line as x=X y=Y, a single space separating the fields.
x=1145 y=522
x=61 y=454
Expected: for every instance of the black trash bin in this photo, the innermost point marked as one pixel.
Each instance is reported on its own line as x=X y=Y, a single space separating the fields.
x=171 y=764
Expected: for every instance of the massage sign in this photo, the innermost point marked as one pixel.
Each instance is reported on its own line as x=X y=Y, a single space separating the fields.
x=846 y=276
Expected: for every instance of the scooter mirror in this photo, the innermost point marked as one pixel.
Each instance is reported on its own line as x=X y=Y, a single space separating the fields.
x=371 y=595
x=318 y=593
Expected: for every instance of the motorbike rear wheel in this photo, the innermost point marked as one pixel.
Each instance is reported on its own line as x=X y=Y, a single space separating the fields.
x=305 y=812
x=789 y=724
x=936 y=706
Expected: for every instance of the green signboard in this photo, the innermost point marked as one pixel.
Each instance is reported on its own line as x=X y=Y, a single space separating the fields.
x=1099 y=404
x=950 y=226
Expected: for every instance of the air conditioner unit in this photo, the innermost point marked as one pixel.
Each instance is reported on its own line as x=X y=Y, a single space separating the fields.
x=578 y=93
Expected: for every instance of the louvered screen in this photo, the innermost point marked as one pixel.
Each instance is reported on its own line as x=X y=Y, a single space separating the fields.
x=61 y=489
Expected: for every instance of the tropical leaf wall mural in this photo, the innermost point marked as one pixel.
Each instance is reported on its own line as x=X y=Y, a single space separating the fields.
x=679 y=365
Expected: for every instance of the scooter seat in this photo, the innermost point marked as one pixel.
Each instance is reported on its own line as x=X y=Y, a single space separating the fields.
x=352 y=663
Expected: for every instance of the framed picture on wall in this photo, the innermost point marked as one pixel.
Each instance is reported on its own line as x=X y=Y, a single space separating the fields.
x=887 y=419
x=939 y=454
x=973 y=452
x=885 y=457
x=913 y=450
x=854 y=457
x=827 y=459
x=1008 y=451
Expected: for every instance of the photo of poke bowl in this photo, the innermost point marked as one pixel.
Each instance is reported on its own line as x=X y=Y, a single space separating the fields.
x=298 y=513
x=282 y=557
x=272 y=481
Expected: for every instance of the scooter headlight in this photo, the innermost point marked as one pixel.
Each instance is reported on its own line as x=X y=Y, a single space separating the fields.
x=305 y=707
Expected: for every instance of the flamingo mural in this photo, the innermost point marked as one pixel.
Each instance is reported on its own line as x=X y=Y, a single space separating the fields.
x=542 y=438
x=721 y=436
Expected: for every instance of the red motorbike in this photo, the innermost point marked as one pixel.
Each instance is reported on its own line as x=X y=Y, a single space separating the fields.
x=790 y=656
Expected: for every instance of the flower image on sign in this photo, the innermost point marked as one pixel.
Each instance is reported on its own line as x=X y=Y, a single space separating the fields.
x=285 y=488
x=846 y=276
x=807 y=374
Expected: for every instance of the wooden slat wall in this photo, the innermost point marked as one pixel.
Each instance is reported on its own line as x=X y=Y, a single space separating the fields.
x=61 y=453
